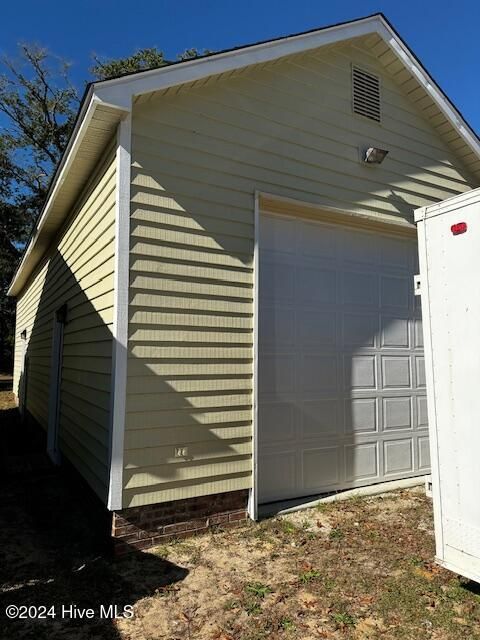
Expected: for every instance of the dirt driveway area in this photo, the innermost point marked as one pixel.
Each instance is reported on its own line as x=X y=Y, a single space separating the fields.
x=356 y=569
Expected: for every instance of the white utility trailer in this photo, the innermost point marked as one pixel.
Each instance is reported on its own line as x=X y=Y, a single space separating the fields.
x=449 y=285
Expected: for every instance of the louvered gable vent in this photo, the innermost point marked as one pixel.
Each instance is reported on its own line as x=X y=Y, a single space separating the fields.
x=366 y=94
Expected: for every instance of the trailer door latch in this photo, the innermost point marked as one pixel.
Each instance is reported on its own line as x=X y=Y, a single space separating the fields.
x=417 y=285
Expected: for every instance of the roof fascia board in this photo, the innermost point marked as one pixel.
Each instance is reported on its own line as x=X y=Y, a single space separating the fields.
x=84 y=120
x=114 y=91
x=428 y=84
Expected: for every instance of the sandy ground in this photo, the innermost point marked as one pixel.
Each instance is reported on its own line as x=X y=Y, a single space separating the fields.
x=358 y=569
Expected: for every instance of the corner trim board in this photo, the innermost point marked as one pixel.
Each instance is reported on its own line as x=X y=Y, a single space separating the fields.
x=120 y=319
x=253 y=495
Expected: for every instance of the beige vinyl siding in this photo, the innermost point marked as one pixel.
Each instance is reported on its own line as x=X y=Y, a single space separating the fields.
x=199 y=152
x=77 y=271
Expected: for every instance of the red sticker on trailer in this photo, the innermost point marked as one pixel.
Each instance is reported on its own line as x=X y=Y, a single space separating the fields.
x=458 y=228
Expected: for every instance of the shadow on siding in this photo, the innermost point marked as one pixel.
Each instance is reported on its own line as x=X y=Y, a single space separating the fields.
x=84 y=390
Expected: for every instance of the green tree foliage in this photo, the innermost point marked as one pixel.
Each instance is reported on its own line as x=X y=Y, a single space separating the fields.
x=140 y=61
x=39 y=104
x=37 y=111
x=191 y=54
x=38 y=107
x=13 y=226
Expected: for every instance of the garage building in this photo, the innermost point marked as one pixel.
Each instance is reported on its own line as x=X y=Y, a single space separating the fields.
x=216 y=308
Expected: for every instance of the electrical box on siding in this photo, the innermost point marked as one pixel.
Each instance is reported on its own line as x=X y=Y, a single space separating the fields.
x=449 y=252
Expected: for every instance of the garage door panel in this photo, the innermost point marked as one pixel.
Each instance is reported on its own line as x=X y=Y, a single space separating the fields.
x=398 y=456
x=396 y=372
x=361 y=415
x=418 y=334
x=360 y=289
x=420 y=371
x=360 y=329
x=397 y=414
x=316 y=285
x=317 y=241
x=319 y=418
x=395 y=332
x=321 y=468
x=317 y=329
x=276 y=327
x=277 y=281
x=422 y=416
x=277 y=374
x=360 y=372
x=279 y=234
x=361 y=461
x=341 y=372
x=397 y=253
x=277 y=475
x=423 y=448
x=317 y=373
x=395 y=292
x=279 y=420
x=359 y=247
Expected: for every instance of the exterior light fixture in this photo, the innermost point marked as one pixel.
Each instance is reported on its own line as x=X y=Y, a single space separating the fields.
x=373 y=155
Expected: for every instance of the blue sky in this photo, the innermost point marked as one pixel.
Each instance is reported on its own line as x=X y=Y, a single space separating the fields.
x=444 y=35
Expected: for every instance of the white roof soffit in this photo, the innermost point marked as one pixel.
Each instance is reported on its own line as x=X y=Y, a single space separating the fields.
x=95 y=126
x=118 y=93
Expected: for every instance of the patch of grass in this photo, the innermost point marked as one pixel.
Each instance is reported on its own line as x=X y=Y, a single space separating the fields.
x=252 y=607
x=215 y=530
x=462 y=589
x=415 y=561
x=288 y=527
x=258 y=589
x=329 y=584
x=261 y=532
x=161 y=551
x=287 y=624
x=230 y=605
x=416 y=600
x=323 y=507
x=308 y=576
x=336 y=534
x=343 y=619
x=195 y=557
x=182 y=545
x=356 y=501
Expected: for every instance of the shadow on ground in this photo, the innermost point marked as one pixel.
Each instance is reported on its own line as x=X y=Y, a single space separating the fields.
x=54 y=547
x=5 y=383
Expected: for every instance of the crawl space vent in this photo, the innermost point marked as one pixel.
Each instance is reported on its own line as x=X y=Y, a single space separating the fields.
x=366 y=94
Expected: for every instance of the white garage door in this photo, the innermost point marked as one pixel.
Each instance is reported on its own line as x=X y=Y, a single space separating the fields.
x=341 y=371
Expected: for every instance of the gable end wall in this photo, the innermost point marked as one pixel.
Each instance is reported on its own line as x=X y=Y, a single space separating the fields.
x=198 y=156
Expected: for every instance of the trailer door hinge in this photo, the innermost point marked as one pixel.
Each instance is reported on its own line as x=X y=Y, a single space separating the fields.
x=417 y=285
